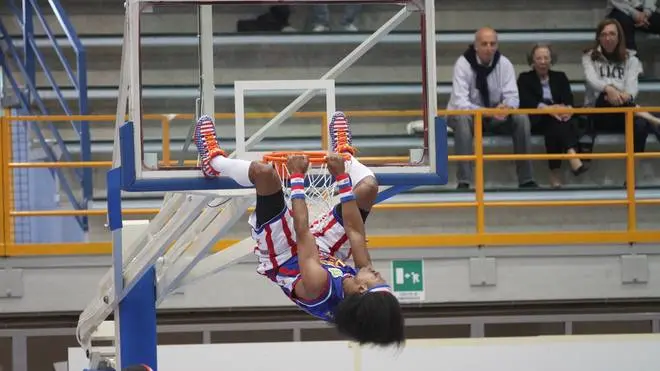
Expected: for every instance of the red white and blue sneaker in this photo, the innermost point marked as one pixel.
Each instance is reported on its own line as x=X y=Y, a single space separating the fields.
x=207 y=145
x=340 y=134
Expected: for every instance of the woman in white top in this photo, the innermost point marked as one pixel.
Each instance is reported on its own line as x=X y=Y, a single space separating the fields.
x=611 y=72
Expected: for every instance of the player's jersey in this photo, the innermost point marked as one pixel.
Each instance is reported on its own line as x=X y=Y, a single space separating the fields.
x=323 y=307
x=278 y=257
x=276 y=240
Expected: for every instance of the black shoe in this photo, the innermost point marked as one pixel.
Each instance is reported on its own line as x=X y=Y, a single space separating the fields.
x=581 y=170
x=528 y=185
x=463 y=186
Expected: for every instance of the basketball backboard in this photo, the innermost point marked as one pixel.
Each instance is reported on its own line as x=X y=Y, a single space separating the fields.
x=248 y=138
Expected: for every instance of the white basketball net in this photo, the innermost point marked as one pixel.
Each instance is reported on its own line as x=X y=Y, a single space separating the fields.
x=321 y=192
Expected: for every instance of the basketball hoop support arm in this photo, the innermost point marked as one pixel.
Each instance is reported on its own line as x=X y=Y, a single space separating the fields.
x=132 y=262
x=207 y=229
x=219 y=261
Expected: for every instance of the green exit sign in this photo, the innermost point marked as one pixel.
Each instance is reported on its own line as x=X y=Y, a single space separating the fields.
x=408 y=279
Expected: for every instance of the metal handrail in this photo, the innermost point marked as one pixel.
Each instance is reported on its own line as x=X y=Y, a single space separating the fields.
x=481 y=237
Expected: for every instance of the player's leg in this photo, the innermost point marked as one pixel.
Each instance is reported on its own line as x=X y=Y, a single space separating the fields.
x=271 y=222
x=365 y=185
x=329 y=232
x=264 y=178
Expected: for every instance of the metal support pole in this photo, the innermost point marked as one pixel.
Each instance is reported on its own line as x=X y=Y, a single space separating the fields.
x=134 y=81
x=568 y=328
x=28 y=33
x=123 y=92
x=206 y=73
x=431 y=74
x=115 y=224
x=19 y=353
x=135 y=317
x=85 y=130
x=477 y=329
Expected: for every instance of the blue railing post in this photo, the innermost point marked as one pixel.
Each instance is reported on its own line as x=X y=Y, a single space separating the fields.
x=28 y=33
x=81 y=83
x=85 y=131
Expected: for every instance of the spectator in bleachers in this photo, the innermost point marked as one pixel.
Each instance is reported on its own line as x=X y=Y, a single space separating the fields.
x=321 y=17
x=612 y=72
x=635 y=15
x=484 y=78
x=275 y=19
x=543 y=87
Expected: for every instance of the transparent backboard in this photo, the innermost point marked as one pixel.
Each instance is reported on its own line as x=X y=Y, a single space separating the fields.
x=269 y=114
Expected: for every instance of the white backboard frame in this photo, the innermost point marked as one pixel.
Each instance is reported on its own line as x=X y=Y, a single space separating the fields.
x=241 y=87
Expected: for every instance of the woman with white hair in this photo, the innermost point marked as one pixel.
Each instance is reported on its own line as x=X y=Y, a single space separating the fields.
x=543 y=87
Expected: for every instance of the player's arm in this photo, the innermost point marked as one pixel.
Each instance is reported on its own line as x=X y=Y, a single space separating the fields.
x=354 y=227
x=314 y=279
x=351 y=216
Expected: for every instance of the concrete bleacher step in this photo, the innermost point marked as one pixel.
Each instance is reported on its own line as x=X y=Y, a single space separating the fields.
x=451 y=15
x=177 y=67
x=173 y=69
x=300 y=56
x=308 y=50
x=390 y=125
x=186 y=104
x=227 y=75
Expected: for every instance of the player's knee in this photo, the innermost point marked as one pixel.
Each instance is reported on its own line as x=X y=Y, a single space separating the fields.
x=260 y=173
x=369 y=185
x=371 y=318
x=366 y=192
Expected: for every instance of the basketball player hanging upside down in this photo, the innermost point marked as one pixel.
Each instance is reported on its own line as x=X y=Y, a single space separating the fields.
x=307 y=263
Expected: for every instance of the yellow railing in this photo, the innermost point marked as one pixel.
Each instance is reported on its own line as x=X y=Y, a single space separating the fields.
x=5 y=147
x=479 y=238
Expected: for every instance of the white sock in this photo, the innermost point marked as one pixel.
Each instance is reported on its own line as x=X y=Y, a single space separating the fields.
x=357 y=170
x=236 y=169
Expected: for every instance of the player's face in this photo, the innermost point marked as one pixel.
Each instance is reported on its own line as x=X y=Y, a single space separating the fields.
x=368 y=277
